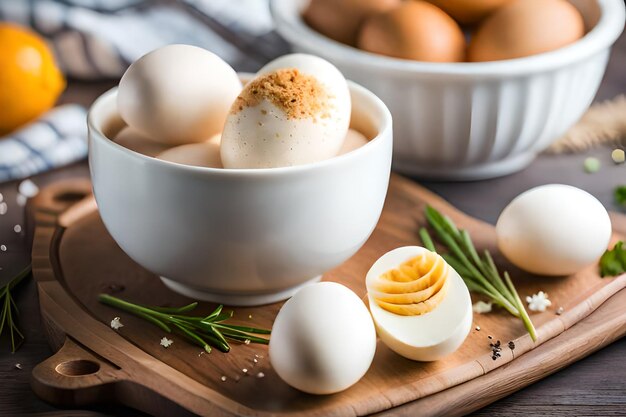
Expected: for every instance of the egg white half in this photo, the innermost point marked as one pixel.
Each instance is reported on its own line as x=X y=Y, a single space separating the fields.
x=430 y=336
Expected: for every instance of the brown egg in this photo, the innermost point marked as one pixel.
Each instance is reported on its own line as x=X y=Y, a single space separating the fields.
x=414 y=30
x=526 y=27
x=340 y=19
x=469 y=12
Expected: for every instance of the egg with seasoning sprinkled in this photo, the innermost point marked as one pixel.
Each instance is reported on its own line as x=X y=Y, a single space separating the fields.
x=296 y=111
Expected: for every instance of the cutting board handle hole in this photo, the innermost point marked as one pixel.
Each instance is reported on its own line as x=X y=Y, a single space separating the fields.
x=69 y=197
x=80 y=367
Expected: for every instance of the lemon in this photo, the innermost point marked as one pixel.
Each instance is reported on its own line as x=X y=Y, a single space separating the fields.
x=30 y=81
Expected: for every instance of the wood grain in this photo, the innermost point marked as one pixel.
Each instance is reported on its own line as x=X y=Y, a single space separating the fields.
x=84 y=261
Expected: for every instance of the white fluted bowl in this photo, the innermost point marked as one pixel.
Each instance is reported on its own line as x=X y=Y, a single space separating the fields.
x=470 y=121
x=240 y=236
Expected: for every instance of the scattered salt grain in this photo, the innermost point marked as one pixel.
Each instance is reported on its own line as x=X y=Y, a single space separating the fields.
x=260 y=375
x=247 y=341
x=28 y=189
x=116 y=324
x=1 y=197
x=559 y=311
x=165 y=342
x=249 y=316
x=255 y=360
x=18 y=366
x=245 y=370
x=17 y=228
x=21 y=200
x=3 y=208
x=3 y=248
x=223 y=378
x=477 y=328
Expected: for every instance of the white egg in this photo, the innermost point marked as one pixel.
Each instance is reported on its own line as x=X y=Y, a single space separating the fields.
x=177 y=94
x=136 y=141
x=553 y=229
x=429 y=336
x=323 y=339
x=296 y=111
x=203 y=154
x=353 y=140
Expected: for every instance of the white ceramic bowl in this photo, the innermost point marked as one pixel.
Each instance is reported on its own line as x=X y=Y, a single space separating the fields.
x=240 y=237
x=473 y=120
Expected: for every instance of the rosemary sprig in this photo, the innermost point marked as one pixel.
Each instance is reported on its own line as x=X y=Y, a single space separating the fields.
x=204 y=331
x=9 y=311
x=479 y=273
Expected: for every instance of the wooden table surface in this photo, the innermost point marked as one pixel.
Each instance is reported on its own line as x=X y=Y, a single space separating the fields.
x=594 y=386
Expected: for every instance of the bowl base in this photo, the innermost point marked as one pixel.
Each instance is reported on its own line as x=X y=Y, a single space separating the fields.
x=466 y=173
x=232 y=299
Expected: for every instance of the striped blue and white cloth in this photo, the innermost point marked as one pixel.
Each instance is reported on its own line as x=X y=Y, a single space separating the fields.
x=98 y=39
x=55 y=139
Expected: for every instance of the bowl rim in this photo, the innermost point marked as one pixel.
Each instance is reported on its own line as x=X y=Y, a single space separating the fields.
x=384 y=131
x=601 y=36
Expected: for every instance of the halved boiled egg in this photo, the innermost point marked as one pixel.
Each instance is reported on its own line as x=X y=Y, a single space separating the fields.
x=420 y=305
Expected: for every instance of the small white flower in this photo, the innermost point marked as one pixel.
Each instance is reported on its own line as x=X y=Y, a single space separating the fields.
x=482 y=307
x=165 y=342
x=538 y=302
x=116 y=323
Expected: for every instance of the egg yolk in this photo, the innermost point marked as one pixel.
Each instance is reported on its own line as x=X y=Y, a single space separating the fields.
x=416 y=287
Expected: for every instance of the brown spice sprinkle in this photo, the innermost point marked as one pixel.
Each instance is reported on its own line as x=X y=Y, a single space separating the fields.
x=298 y=95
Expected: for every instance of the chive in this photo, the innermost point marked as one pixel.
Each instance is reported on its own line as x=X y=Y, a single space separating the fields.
x=480 y=275
x=205 y=331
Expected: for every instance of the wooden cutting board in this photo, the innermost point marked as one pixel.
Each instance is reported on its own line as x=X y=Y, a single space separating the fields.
x=75 y=259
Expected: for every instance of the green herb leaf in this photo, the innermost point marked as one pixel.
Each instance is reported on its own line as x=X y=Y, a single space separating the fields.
x=613 y=261
x=205 y=331
x=479 y=274
x=620 y=195
x=9 y=311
